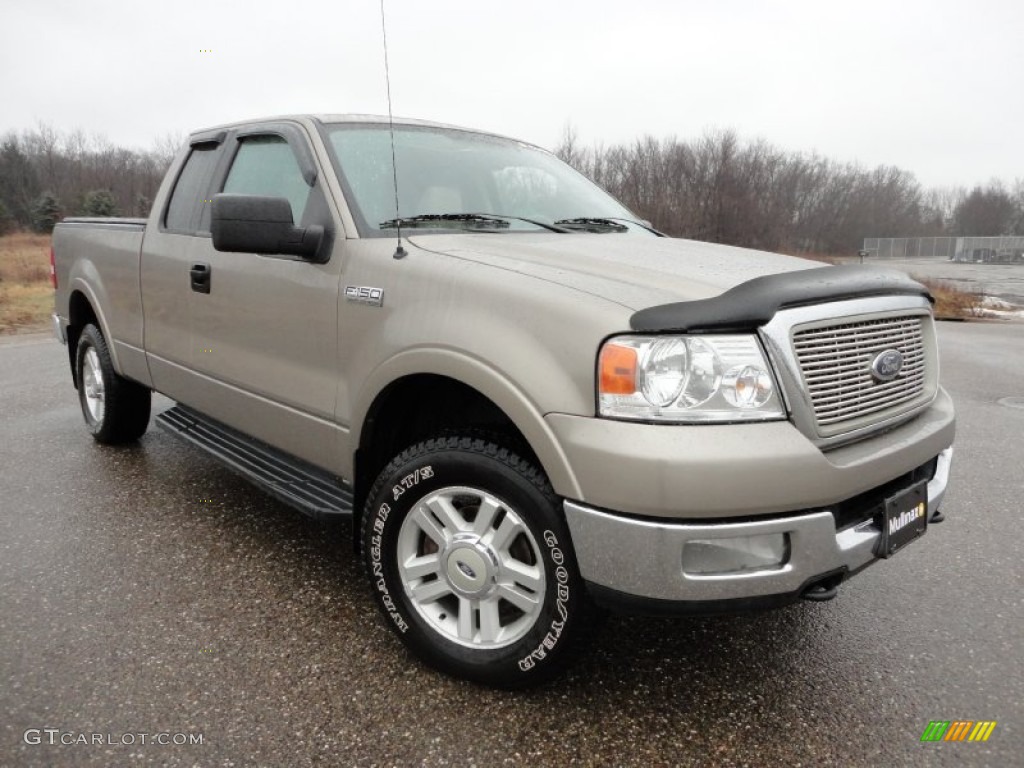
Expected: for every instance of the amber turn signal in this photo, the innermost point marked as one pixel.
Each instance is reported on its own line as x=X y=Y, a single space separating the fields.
x=617 y=366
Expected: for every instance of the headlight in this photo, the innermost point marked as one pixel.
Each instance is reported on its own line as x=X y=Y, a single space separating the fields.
x=687 y=379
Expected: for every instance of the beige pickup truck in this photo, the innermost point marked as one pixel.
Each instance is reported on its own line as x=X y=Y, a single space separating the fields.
x=534 y=405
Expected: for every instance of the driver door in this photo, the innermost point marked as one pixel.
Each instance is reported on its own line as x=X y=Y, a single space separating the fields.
x=264 y=328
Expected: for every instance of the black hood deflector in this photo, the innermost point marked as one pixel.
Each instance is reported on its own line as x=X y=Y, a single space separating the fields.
x=754 y=303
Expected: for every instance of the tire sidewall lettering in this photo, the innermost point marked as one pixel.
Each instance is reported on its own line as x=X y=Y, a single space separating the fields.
x=562 y=595
x=377 y=568
x=411 y=480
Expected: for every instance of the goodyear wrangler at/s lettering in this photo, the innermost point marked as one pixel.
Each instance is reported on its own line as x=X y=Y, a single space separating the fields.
x=470 y=561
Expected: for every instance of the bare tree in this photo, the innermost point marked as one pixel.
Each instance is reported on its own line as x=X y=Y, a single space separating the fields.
x=986 y=211
x=165 y=147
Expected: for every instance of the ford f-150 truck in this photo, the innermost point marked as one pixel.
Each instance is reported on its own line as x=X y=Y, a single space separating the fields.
x=533 y=405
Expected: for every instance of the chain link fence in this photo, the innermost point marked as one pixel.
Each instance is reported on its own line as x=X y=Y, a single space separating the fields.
x=997 y=250
x=1005 y=249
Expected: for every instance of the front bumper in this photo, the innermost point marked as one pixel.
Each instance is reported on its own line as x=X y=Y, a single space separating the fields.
x=638 y=564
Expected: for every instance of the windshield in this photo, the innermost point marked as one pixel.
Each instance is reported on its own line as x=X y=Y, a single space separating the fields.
x=453 y=180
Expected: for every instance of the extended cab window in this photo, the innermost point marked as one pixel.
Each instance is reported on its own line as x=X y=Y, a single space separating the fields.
x=192 y=185
x=266 y=165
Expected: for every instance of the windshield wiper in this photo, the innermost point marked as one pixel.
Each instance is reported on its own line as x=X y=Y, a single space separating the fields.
x=588 y=224
x=440 y=219
x=642 y=224
x=484 y=220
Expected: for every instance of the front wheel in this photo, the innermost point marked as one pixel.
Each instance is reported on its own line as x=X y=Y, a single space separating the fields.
x=471 y=562
x=116 y=410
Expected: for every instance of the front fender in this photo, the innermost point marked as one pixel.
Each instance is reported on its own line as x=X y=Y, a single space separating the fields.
x=486 y=380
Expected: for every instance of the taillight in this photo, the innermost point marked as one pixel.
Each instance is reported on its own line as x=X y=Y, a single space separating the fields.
x=53 y=269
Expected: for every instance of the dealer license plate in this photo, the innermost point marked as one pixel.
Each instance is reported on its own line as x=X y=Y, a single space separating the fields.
x=905 y=519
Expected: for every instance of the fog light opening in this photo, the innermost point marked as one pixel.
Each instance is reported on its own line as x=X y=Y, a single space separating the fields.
x=736 y=554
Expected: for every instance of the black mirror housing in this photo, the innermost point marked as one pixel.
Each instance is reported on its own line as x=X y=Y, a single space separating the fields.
x=257 y=224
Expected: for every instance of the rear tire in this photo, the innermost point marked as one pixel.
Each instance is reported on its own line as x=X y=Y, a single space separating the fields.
x=471 y=563
x=116 y=410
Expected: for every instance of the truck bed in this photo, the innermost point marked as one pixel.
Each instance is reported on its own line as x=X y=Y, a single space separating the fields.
x=99 y=258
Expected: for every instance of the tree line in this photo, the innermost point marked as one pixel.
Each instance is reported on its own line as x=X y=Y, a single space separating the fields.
x=753 y=194
x=46 y=174
x=717 y=187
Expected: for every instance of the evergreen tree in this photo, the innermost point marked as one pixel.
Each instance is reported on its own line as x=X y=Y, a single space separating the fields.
x=99 y=202
x=45 y=213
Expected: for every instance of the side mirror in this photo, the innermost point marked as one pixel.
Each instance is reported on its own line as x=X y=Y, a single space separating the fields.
x=257 y=224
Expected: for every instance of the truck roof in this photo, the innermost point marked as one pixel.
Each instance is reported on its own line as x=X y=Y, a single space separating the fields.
x=350 y=118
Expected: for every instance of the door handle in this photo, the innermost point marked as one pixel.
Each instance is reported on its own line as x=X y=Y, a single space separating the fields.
x=200 y=274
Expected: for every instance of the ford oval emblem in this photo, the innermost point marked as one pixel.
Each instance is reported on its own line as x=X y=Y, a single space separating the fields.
x=465 y=569
x=887 y=365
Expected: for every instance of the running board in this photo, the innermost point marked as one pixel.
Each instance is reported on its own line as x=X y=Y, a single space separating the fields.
x=295 y=482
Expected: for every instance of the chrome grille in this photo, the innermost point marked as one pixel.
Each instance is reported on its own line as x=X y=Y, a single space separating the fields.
x=835 y=362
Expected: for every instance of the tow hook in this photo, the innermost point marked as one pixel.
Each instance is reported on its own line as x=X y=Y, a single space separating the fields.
x=820 y=594
x=824 y=590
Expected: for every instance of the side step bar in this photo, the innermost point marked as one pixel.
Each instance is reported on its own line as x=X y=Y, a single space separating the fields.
x=295 y=482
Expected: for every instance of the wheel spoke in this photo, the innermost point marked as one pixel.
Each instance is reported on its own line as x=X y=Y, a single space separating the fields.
x=418 y=567
x=485 y=516
x=504 y=534
x=524 y=575
x=430 y=591
x=466 y=611
x=447 y=514
x=490 y=624
x=94 y=367
x=521 y=599
x=429 y=526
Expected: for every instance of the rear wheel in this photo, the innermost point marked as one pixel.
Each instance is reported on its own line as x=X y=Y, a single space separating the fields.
x=116 y=410
x=471 y=562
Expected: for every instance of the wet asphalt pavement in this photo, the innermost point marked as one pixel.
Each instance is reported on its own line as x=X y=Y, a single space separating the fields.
x=147 y=591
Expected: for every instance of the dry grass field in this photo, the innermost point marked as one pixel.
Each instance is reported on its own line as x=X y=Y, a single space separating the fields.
x=953 y=303
x=26 y=297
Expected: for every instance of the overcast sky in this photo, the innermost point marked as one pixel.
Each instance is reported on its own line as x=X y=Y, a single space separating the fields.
x=933 y=86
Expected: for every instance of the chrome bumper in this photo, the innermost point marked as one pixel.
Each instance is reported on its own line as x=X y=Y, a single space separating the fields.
x=645 y=559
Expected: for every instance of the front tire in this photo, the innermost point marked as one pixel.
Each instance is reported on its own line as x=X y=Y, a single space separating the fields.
x=471 y=563
x=116 y=410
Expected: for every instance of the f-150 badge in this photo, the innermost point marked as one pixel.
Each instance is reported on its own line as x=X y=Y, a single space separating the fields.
x=365 y=294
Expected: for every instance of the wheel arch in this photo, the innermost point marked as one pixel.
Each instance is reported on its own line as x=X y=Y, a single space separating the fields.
x=83 y=308
x=466 y=395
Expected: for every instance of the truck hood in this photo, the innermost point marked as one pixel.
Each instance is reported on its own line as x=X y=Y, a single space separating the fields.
x=635 y=272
